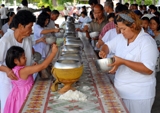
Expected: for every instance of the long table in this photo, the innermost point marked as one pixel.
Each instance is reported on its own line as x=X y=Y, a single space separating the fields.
x=102 y=97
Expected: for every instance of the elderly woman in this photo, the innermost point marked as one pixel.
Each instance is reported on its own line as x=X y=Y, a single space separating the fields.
x=40 y=34
x=135 y=60
x=22 y=24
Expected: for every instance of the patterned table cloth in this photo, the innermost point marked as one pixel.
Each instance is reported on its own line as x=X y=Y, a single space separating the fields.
x=101 y=95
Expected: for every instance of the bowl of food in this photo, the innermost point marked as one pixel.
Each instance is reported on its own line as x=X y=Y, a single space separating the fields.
x=94 y=34
x=102 y=64
x=50 y=39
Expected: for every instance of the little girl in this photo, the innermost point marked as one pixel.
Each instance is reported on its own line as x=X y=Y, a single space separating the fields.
x=16 y=60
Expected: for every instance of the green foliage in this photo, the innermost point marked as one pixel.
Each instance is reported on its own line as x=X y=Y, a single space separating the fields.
x=45 y=4
x=146 y=2
x=59 y=7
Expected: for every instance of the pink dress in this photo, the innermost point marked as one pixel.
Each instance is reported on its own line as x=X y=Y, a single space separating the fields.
x=19 y=92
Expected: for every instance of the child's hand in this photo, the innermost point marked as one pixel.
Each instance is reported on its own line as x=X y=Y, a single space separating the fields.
x=54 y=48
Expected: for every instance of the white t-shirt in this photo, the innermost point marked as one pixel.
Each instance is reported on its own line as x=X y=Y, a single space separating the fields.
x=129 y=83
x=65 y=12
x=41 y=47
x=111 y=34
x=84 y=20
x=5 y=27
x=6 y=42
x=3 y=12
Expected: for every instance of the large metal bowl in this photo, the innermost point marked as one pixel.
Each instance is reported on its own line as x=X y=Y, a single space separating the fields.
x=70 y=27
x=75 y=43
x=77 y=58
x=72 y=38
x=102 y=64
x=70 y=49
x=67 y=64
x=70 y=19
x=69 y=33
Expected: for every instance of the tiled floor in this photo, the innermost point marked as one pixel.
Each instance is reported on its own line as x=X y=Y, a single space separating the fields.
x=156 y=105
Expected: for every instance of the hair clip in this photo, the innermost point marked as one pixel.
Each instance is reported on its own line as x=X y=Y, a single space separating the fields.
x=126 y=17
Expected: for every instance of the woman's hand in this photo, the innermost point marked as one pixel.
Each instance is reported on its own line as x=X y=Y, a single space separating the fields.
x=56 y=30
x=102 y=54
x=99 y=43
x=117 y=62
x=11 y=75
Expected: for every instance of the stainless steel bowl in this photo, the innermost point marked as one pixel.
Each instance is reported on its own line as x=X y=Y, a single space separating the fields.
x=70 y=49
x=70 y=19
x=69 y=33
x=50 y=39
x=72 y=38
x=78 y=58
x=67 y=64
x=102 y=64
x=70 y=27
x=75 y=43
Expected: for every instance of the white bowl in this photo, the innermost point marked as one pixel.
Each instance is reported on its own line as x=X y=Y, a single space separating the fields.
x=102 y=64
x=94 y=34
x=50 y=39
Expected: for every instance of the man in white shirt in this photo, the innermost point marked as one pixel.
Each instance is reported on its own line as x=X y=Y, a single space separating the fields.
x=3 y=12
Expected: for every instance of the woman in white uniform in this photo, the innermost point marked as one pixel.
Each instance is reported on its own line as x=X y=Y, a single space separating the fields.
x=135 y=60
x=40 y=33
x=20 y=37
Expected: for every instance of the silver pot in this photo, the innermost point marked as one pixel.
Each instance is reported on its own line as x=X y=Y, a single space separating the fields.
x=71 y=54
x=74 y=43
x=72 y=38
x=71 y=33
x=70 y=49
x=70 y=19
x=67 y=64
x=70 y=28
x=78 y=58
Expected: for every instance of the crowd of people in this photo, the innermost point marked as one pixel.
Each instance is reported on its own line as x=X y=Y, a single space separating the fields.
x=127 y=33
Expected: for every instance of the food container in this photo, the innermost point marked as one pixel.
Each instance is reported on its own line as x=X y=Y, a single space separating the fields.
x=102 y=64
